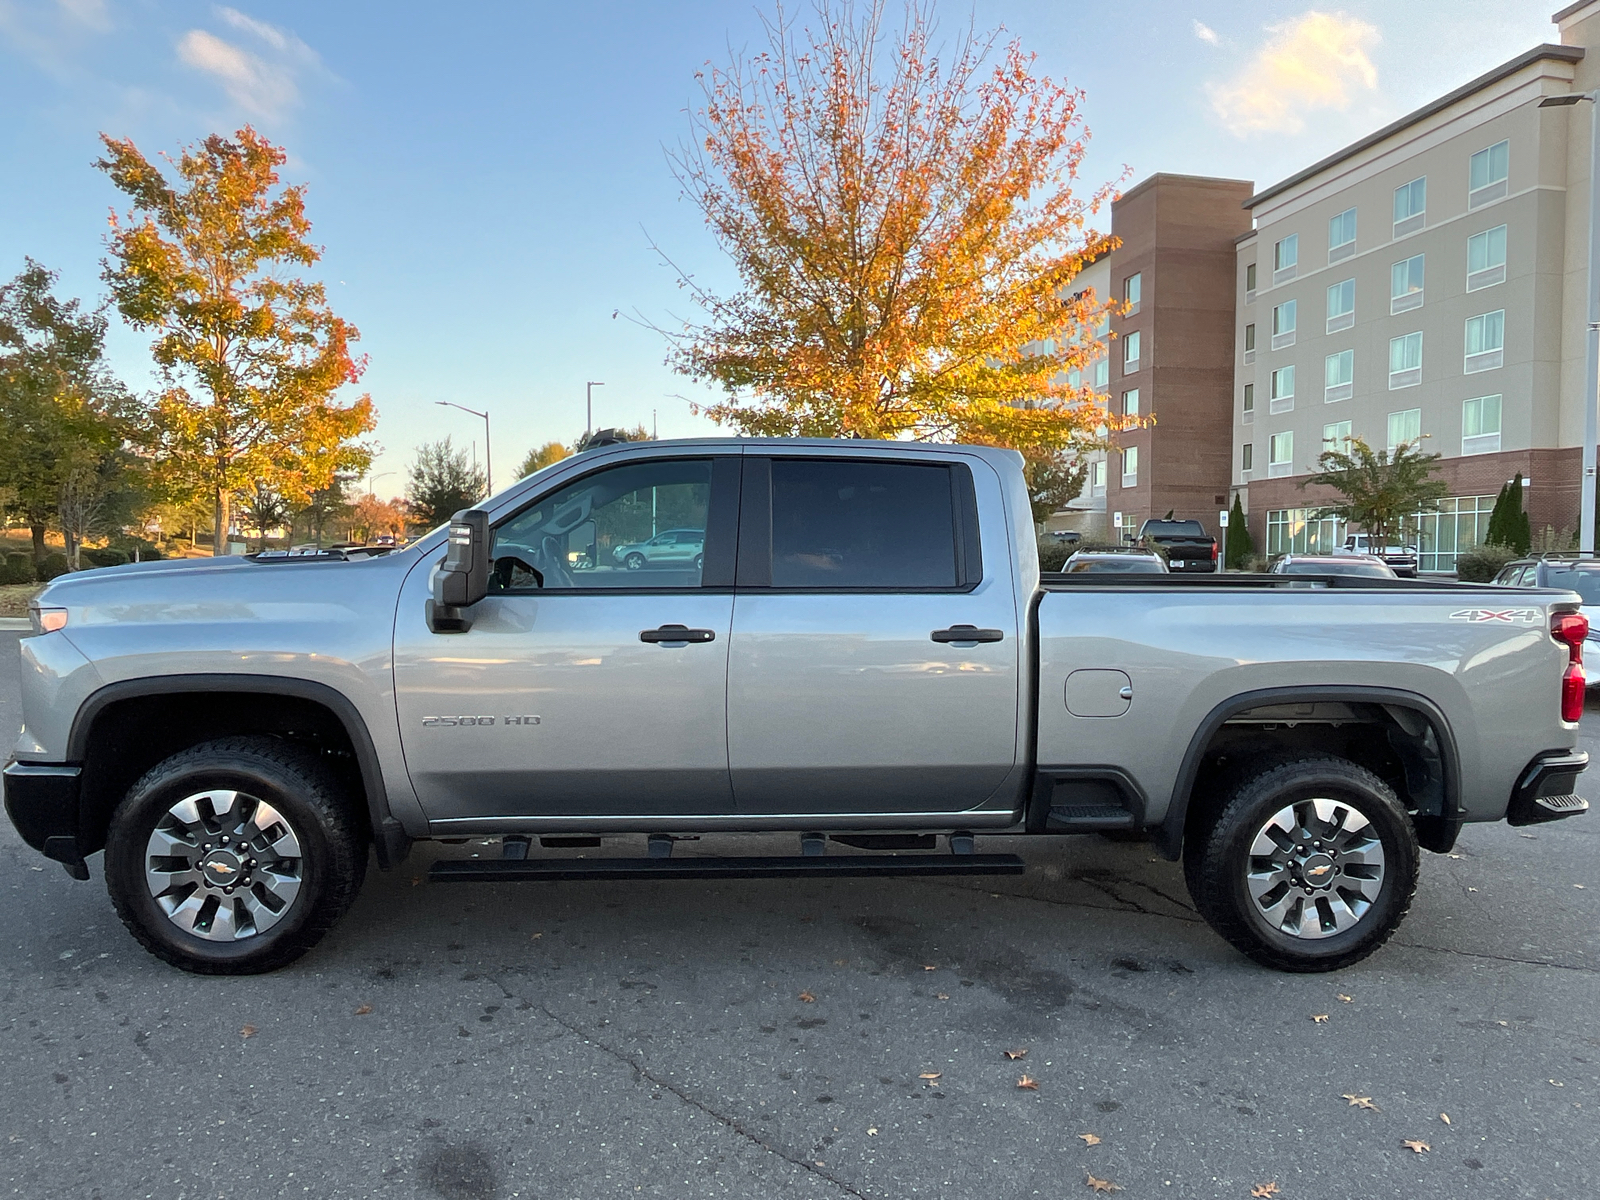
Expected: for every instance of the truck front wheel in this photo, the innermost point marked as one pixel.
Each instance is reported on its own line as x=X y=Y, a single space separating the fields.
x=234 y=857
x=1308 y=865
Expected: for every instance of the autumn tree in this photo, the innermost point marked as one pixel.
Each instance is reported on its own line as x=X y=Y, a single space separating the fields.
x=65 y=419
x=372 y=517
x=902 y=219
x=538 y=460
x=1379 y=489
x=442 y=481
x=250 y=354
x=264 y=509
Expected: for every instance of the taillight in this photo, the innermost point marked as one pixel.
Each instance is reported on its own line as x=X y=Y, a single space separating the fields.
x=1570 y=629
x=1213 y=551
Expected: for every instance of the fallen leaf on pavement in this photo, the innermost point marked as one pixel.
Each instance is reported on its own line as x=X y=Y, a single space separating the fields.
x=1362 y=1102
x=1445 y=1117
x=807 y=998
x=930 y=1075
x=1013 y=1055
x=1319 y=1018
x=1102 y=1185
x=1553 y=1083
x=363 y=1010
x=248 y=1031
x=1265 y=1189
x=417 y=881
x=872 y=1131
x=1416 y=1145
x=930 y=966
x=536 y=937
x=1029 y=1082
x=1090 y=1139
x=841 y=962
x=941 y=995
x=1347 y=999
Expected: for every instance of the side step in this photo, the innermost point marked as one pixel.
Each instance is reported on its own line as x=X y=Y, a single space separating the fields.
x=504 y=870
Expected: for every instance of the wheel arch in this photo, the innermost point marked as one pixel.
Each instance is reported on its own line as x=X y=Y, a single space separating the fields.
x=1436 y=831
x=229 y=696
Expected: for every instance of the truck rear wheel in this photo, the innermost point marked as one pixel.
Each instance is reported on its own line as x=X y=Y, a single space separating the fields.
x=1309 y=865
x=234 y=857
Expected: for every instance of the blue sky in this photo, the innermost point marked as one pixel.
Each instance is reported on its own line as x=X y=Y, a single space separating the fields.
x=486 y=177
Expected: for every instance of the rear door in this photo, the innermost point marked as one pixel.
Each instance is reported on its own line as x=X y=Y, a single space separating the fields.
x=874 y=660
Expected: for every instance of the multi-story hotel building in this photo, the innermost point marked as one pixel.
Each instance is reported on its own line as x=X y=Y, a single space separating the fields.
x=1168 y=356
x=1427 y=282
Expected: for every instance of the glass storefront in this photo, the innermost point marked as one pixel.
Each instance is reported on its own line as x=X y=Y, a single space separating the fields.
x=1460 y=524
x=1290 y=531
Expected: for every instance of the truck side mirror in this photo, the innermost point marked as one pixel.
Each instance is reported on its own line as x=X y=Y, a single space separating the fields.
x=463 y=578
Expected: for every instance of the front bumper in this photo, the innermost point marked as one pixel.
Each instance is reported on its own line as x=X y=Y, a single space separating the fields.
x=1545 y=792
x=42 y=802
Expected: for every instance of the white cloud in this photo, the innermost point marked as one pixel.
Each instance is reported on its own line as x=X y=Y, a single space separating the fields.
x=251 y=81
x=1316 y=61
x=263 y=83
x=1206 y=34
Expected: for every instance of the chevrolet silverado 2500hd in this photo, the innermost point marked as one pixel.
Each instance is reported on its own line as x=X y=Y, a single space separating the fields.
x=862 y=652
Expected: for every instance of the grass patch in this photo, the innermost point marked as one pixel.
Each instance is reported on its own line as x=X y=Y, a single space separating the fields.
x=14 y=598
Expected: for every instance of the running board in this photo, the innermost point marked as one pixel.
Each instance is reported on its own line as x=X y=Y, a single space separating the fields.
x=501 y=870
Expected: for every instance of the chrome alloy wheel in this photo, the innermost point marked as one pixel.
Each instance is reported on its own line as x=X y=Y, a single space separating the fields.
x=223 y=865
x=1316 y=868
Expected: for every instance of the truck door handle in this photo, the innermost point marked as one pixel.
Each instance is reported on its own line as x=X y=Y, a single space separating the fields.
x=677 y=633
x=967 y=633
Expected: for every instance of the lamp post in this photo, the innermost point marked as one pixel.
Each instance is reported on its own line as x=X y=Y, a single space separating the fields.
x=488 y=463
x=588 y=407
x=1591 y=375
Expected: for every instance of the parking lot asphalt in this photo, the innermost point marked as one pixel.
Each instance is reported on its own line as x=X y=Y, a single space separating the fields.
x=814 y=1038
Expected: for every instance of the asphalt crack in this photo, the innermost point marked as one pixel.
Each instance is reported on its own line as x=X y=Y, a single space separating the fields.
x=1505 y=958
x=641 y=1071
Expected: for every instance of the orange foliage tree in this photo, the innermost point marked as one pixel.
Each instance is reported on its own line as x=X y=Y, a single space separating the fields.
x=250 y=354
x=904 y=227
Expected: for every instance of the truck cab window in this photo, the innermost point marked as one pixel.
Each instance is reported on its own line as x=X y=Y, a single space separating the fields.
x=637 y=526
x=862 y=523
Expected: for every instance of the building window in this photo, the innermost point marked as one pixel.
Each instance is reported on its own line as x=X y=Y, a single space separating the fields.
x=1130 y=403
x=1341 y=236
x=1336 y=437
x=1405 y=284
x=1130 y=467
x=1405 y=361
x=1249 y=344
x=1285 y=259
x=1456 y=526
x=1341 y=306
x=1247 y=457
x=1249 y=282
x=1405 y=427
x=1339 y=376
x=1486 y=258
x=1290 y=531
x=1130 y=291
x=1410 y=206
x=1480 y=425
x=1130 y=352
x=1097 y=478
x=1280 y=399
x=1488 y=174
x=1280 y=454
x=1075 y=379
x=1249 y=403
x=1283 y=323
x=1486 y=342
x=1102 y=373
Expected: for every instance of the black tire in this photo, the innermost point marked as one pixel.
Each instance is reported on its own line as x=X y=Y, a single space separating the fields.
x=699 y=561
x=329 y=868
x=633 y=562
x=1218 y=865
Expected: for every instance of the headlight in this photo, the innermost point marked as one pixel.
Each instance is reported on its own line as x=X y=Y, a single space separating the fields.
x=46 y=620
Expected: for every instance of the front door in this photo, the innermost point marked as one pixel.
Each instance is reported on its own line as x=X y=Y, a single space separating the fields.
x=850 y=686
x=587 y=686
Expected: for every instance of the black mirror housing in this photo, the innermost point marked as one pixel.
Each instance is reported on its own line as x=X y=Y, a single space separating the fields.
x=463 y=578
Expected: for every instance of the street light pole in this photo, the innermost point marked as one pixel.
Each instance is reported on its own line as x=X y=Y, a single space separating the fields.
x=1591 y=374
x=488 y=461
x=588 y=407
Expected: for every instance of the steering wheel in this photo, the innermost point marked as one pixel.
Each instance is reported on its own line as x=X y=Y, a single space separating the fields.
x=552 y=562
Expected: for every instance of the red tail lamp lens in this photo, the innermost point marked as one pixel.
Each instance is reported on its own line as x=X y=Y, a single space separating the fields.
x=1572 y=689
x=1570 y=629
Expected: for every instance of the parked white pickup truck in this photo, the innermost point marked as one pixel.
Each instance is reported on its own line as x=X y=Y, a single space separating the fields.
x=863 y=653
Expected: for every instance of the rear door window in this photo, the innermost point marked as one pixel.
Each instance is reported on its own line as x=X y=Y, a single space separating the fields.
x=866 y=524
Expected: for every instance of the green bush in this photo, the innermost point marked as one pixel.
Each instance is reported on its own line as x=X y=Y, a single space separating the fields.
x=16 y=568
x=102 y=558
x=148 y=550
x=1483 y=563
x=1053 y=553
x=53 y=565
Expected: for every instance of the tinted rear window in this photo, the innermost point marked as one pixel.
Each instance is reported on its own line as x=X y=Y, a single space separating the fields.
x=862 y=524
x=1585 y=583
x=1119 y=566
x=1338 y=568
x=1174 y=529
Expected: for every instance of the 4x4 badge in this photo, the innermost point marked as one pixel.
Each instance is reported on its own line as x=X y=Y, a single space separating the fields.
x=1511 y=616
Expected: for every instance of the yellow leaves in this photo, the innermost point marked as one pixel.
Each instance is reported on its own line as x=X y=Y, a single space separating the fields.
x=1265 y=1189
x=1363 y=1102
x=1102 y=1185
x=1090 y=1139
x=1344 y=999
x=1320 y=1018
x=1416 y=1145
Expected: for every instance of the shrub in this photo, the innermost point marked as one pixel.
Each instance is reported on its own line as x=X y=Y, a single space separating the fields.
x=1483 y=563
x=103 y=558
x=53 y=565
x=1053 y=553
x=148 y=550
x=16 y=568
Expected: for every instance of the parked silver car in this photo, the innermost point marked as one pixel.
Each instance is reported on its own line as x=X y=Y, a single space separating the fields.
x=1115 y=562
x=1333 y=564
x=674 y=547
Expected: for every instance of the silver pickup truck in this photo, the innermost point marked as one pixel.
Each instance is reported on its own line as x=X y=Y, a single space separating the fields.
x=862 y=652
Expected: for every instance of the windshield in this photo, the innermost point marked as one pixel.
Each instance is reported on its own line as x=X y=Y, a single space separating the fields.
x=1583 y=580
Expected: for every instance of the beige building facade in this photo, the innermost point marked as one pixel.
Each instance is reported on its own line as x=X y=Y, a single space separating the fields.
x=1427 y=282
